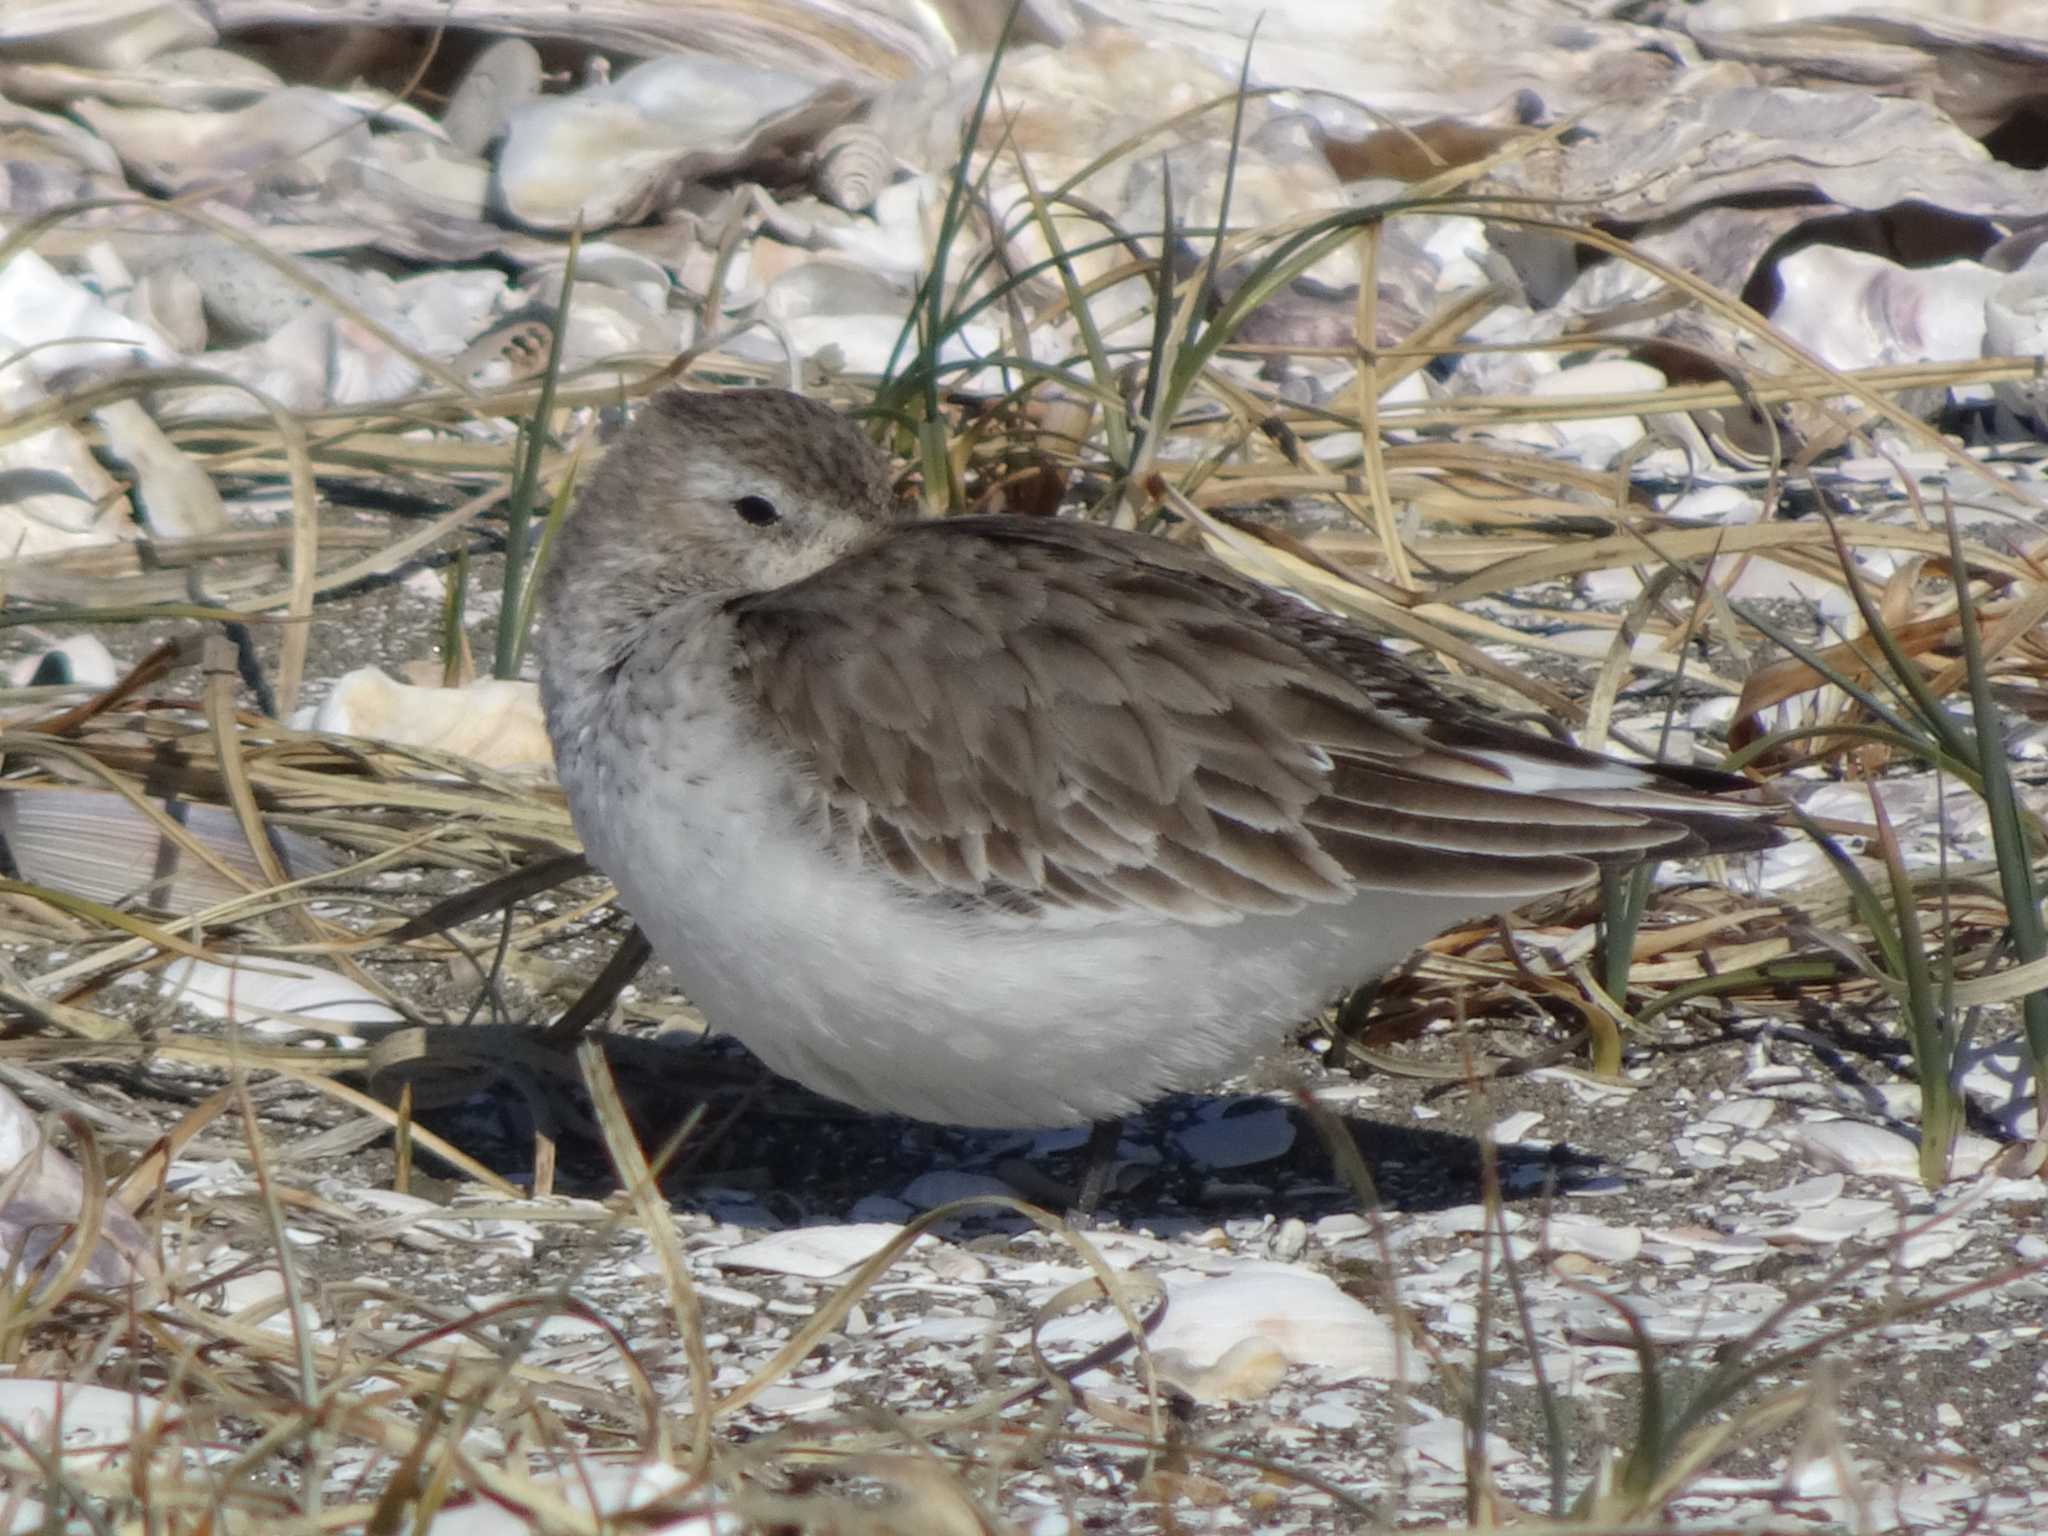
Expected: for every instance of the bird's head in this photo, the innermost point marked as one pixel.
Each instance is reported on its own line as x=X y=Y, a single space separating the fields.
x=706 y=492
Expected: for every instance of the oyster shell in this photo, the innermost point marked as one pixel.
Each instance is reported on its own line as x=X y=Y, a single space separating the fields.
x=656 y=128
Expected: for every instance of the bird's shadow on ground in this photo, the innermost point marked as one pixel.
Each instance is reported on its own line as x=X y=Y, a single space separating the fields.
x=765 y=1153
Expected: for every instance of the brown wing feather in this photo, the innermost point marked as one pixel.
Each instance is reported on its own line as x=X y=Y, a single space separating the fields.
x=1043 y=715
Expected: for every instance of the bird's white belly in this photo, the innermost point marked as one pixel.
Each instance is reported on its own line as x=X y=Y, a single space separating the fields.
x=897 y=1003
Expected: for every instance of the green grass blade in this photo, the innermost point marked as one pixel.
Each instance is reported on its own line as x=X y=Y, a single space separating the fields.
x=558 y=510
x=2021 y=895
x=1162 y=349
x=1933 y=1056
x=1933 y=713
x=931 y=300
x=1870 y=907
x=1792 y=971
x=452 y=611
x=1205 y=284
x=519 y=509
x=1624 y=897
x=1116 y=428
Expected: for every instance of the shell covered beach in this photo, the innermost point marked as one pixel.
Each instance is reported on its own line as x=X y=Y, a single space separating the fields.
x=1668 y=375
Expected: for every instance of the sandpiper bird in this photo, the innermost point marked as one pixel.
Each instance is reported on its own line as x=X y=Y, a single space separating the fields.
x=1012 y=821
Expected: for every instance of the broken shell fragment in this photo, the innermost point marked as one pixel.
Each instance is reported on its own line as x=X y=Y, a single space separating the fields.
x=491 y=722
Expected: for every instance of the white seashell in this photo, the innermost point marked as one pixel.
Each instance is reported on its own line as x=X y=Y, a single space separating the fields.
x=445 y=311
x=177 y=498
x=1247 y=1371
x=421 y=175
x=275 y=996
x=793 y=1401
x=97 y=1427
x=1329 y=1412
x=187 y=79
x=816 y=1253
x=289 y=140
x=644 y=1497
x=1854 y=1147
x=1841 y=1221
x=168 y=300
x=1804 y=1194
x=830 y=309
x=1706 y=1240
x=94 y=843
x=504 y=76
x=83 y=661
x=1289 y=1240
x=248 y=298
x=315 y=361
x=1446 y=1441
x=1975 y=63
x=42 y=309
x=607 y=265
x=653 y=130
x=1722 y=504
x=1514 y=1128
x=2016 y=325
x=1747 y=1114
x=604 y=323
x=1298 y=1313
x=1856 y=310
x=1920 y=1249
x=1593 y=1238
x=491 y=722
x=892 y=239
x=853 y=164
x=110 y=34
x=45 y=1196
x=1594 y=441
x=1727 y=1311
x=47 y=161
x=53 y=493
x=429 y=1225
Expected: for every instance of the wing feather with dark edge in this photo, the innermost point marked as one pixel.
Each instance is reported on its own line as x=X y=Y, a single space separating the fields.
x=1034 y=715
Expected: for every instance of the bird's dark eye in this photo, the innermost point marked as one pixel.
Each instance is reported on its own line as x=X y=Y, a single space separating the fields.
x=758 y=510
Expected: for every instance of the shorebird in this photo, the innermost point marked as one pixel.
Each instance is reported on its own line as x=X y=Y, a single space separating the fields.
x=1010 y=821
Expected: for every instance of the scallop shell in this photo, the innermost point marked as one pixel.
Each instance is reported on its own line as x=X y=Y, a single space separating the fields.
x=853 y=165
x=94 y=843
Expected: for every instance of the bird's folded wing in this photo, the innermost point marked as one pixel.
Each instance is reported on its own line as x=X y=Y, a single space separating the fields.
x=1012 y=716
